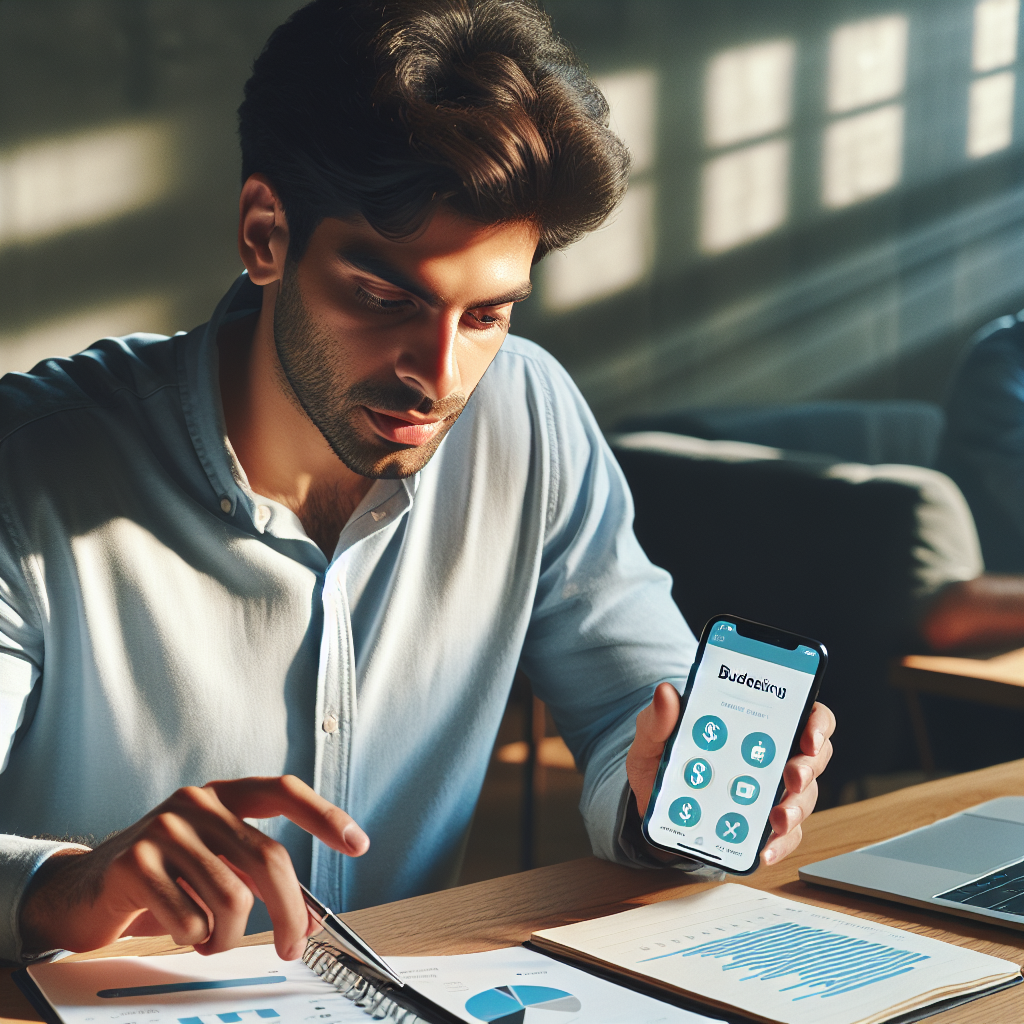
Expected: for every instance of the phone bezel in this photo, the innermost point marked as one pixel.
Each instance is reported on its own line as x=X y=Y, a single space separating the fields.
x=755 y=631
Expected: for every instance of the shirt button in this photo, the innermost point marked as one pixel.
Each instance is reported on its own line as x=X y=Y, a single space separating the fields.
x=330 y=723
x=225 y=504
x=262 y=515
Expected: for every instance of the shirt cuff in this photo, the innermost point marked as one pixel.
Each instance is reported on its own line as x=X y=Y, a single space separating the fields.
x=20 y=859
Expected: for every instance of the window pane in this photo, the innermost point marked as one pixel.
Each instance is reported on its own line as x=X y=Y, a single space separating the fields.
x=606 y=261
x=863 y=155
x=744 y=195
x=995 y=34
x=632 y=100
x=748 y=92
x=867 y=62
x=990 y=115
x=60 y=184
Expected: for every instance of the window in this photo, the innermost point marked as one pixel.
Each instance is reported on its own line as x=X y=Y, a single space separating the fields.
x=621 y=252
x=862 y=153
x=745 y=188
x=990 y=100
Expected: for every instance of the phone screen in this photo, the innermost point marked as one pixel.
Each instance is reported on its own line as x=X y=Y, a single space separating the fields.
x=723 y=772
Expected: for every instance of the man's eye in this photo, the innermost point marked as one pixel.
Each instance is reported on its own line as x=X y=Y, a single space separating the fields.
x=379 y=304
x=485 y=319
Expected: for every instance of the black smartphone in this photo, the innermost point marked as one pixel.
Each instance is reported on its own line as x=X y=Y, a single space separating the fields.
x=747 y=700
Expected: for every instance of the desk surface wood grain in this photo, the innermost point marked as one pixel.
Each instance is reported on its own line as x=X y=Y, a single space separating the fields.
x=505 y=911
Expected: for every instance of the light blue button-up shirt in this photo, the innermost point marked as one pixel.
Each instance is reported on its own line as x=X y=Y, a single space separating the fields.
x=162 y=625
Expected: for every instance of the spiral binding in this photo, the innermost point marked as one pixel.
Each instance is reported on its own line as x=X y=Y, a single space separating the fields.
x=325 y=960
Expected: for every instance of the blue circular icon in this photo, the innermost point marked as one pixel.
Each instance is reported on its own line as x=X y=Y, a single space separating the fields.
x=732 y=828
x=697 y=772
x=744 y=789
x=710 y=733
x=685 y=811
x=758 y=749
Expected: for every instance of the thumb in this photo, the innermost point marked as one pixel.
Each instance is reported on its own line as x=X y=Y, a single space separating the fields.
x=655 y=723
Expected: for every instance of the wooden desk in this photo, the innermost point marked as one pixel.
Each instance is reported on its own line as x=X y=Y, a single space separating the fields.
x=997 y=681
x=505 y=911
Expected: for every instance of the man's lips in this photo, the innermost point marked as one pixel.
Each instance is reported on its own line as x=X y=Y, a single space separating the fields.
x=401 y=431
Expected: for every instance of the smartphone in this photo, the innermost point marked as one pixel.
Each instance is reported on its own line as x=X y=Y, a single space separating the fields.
x=747 y=700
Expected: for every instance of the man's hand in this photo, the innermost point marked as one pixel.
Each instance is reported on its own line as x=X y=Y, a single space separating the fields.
x=189 y=869
x=654 y=725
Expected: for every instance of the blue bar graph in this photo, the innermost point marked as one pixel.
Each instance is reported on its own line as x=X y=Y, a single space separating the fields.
x=822 y=960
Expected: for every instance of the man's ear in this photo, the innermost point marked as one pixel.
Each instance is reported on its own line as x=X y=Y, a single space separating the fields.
x=262 y=231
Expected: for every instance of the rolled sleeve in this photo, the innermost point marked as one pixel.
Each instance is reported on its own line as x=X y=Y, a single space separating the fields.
x=20 y=859
x=605 y=629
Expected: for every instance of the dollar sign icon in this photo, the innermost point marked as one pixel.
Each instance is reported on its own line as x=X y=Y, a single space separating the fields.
x=684 y=811
x=697 y=775
x=710 y=732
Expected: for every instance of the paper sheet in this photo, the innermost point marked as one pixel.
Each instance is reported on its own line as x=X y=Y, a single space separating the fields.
x=519 y=986
x=248 y=985
x=780 y=959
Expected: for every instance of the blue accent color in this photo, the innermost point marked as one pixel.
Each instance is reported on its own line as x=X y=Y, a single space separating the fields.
x=229 y=1018
x=190 y=1020
x=267 y=1013
x=724 y=637
x=186 y=986
x=834 y=964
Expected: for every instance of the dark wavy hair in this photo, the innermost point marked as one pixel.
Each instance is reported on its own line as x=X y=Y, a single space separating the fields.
x=388 y=108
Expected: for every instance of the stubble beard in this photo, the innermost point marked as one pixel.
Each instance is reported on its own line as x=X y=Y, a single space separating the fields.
x=312 y=366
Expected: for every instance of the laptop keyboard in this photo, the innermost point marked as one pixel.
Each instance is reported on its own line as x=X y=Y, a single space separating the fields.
x=1002 y=890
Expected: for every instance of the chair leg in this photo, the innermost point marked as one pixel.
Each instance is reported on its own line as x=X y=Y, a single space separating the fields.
x=528 y=809
x=921 y=739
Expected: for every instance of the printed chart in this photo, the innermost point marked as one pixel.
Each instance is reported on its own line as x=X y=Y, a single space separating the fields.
x=825 y=964
x=521 y=1004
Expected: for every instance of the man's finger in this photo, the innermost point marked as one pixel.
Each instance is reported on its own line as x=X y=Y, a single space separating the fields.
x=820 y=725
x=781 y=846
x=291 y=798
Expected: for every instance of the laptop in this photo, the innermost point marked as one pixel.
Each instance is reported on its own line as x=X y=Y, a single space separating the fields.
x=970 y=864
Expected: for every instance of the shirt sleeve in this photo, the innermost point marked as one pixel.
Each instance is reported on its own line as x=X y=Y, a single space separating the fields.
x=20 y=672
x=604 y=629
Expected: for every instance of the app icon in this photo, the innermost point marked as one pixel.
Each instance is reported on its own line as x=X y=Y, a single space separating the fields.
x=710 y=733
x=685 y=811
x=697 y=773
x=732 y=828
x=758 y=749
x=744 y=789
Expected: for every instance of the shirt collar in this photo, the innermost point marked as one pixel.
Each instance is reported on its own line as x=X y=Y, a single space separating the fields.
x=382 y=506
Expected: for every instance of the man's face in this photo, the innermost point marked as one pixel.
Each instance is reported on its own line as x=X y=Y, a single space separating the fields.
x=383 y=342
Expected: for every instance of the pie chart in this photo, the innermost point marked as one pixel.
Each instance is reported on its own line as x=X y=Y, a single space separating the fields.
x=521 y=1004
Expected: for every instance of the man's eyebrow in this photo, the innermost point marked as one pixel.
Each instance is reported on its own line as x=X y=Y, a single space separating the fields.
x=387 y=272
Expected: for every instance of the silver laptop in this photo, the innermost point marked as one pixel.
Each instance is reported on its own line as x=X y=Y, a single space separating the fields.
x=970 y=864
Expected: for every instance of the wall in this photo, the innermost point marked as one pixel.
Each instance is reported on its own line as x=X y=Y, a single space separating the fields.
x=827 y=197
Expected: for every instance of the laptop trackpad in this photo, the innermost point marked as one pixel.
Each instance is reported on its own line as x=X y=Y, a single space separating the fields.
x=961 y=843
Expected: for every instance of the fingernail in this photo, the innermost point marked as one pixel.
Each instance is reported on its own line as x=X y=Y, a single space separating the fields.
x=769 y=856
x=817 y=739
x=356 y=839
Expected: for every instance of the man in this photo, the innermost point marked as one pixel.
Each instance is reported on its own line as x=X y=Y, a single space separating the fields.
x=287 y=550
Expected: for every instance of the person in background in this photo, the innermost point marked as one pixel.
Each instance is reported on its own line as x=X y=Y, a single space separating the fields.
x=982 y=449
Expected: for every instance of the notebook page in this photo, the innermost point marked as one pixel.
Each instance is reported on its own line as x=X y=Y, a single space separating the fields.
x=520 y=986
x=248 y=985
x=781 y=960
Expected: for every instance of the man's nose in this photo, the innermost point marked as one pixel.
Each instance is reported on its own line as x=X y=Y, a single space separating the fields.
x=428 y=361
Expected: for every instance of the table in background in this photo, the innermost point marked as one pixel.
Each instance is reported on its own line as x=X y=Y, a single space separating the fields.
x=997 y=681
x=505 y=911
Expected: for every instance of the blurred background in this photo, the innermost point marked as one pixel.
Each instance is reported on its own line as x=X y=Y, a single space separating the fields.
x=827 y=198
x=827 y=201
